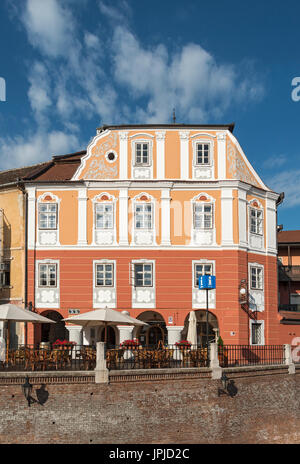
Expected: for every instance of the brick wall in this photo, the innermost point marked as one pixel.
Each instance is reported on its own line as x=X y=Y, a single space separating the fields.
x=184 y=410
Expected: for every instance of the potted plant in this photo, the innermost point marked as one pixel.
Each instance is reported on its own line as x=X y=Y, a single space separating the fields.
x=128 y=346
x=183 y=345
x=221 y=352
x=63 y=344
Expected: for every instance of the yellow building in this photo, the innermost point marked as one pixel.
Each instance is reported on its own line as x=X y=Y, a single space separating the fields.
x=13 y=245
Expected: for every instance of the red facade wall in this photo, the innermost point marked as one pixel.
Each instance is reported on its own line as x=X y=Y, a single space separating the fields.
x=173 y=270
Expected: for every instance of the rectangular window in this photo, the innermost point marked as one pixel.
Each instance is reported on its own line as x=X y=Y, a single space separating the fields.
x=202 y=154
x=256 y=277
x=201 y=269
x=105 y=275
x=143 y=275
x=47 y=217
x=104 y=216
x=5 y=274
x=256 y=333
x=143 y=216
x=256 y=221
x=47 y=275
x=203 y=216
x=142 y=157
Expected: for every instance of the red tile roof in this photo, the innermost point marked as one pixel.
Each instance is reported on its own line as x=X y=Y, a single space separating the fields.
x=13 y=175
x=60 y=168
x=288 y=236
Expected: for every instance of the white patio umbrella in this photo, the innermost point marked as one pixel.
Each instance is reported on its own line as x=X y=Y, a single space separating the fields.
x=103 y=317
x=192 y=330
x=13 y=313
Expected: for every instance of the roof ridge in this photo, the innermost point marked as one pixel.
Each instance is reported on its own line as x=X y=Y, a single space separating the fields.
x=24 y=167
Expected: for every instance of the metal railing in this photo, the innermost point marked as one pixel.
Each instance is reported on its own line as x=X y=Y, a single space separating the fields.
x=138 y=357
x=63 y=358
x=153 y=357
x=250 y=355
x=289 y=307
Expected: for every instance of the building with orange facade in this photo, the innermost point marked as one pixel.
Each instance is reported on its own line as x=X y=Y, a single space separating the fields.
x=132 y=222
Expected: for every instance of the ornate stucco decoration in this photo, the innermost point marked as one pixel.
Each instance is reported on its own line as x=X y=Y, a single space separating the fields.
x=237 y=168
x=98 y=165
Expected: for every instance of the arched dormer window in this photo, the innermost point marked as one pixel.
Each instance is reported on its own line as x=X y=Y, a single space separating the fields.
x=143 y=223
x=104 y=219
x=48 y=219
x=203 y=229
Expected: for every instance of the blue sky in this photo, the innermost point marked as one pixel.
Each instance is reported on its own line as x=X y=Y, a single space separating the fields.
x=72 y=65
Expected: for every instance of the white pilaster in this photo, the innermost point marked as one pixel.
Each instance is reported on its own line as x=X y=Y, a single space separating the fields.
x=82 y=216
x=101 y=371
x=165 y=217
x=221 y=155
x=31 y=216
x=160 y=154
x=184 y=154
x=271 y=226
x=75 y=333
x=125 y=332
x=174 y=334
x=242 y=198
x=123 y=217
x=227 y=216
x=123 y=153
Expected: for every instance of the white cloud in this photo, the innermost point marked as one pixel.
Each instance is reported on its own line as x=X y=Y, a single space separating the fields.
x=118 y=13
x=288 y=182
x=191 y=79
x=275 y=162
x=91 y=40
x=114 y=78
x=39 y=92
x=49 y=26
x=34 y=148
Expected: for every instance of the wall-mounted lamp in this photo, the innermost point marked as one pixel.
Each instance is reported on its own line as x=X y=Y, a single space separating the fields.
x=243 y=292
x=228 y=386
x=27 y=389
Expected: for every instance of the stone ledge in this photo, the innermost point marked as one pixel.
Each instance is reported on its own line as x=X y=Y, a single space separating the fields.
x=136 y=375
x=247 y=371
x=11 y=378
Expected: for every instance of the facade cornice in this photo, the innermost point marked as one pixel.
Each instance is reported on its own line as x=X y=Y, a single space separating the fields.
x=155 y=184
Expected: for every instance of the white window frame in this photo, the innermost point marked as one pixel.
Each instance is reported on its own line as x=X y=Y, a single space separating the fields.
x=143 y=263
x=210 y=152
x=201 y=263
x=109 y=200
x=143 y=297
x=262 y=323
x=112 y=214
x=47 y=213
x=104 y=263
x=142 y=164
x=39 y=264
x=258 y=223
x=139 y=234
x=261 y=281
x=202 y=214
x=45 y=237
x=143 y=204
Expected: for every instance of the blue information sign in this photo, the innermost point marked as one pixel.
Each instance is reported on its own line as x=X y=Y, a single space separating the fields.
x=207 y=281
